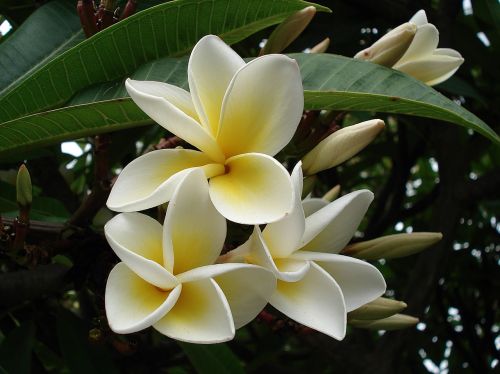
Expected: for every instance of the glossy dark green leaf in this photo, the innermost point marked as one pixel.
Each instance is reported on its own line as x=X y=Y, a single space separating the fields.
x=164 y=30
x=16 y=349
x=209 y=359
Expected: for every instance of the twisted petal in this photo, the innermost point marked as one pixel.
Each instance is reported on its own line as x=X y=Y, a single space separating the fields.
x=201 y=315
x=194 y=231
x=331 y=228
x=315 y=301
x=359 y=281
x=262 y=107
x=246 y=287
x=283 y=237
x=435 y=68
x=133 y=304
x=419 y=18
x=211 y=67
x=167 y=114
x=137 y=241
x=256 y=189
x=150 y=180
x=424 y=43
x=256 y=252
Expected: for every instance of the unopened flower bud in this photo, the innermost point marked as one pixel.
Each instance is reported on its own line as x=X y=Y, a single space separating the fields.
x=395 y=322
x=393 y=246
x=390 y=47
x=308 y=185
x=377 y=309
x=321 y=47
x=332 y=194
x=340 y=146
x=288 y=31
x=23 y=187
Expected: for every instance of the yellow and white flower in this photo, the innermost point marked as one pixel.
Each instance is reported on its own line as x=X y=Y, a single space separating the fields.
x=238 y=115
x=416 y=55
x=316 y=285
x=167 y=279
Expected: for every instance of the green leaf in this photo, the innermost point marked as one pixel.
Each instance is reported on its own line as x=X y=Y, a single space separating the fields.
x=16 y=348
x=330 y=82
x=49 y=31
x=208 y=359
x=164 y=30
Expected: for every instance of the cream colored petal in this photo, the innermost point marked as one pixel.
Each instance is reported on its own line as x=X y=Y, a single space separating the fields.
x=283 y=237
x=211 y=67
x=173 y=119
x=331 y=228
x=256 y=189
x=137 y=241
x=424 y=43
x=255 y=251
x=262 y=107
x=194 y=231
x=419 y=18
x=133 y=304
x=315 y=301
x=247 y=287
x=312 y=205
x=201 y=315
x=359 y=281
x=176 y=96
x=434 y=69
x=150 y=180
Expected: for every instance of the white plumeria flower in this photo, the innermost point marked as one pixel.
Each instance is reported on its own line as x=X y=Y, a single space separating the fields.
x=316 y=285
x=421 y=59
x=167 y=279
x=238 y=115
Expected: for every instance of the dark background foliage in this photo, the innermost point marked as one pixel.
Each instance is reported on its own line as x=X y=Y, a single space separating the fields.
x=426 y=176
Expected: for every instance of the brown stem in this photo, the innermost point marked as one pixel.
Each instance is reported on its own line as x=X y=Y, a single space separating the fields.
x=86 y=12
x=21 y=225
x=129 y=9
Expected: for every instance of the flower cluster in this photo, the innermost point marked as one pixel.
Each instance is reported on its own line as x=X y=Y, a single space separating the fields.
x=174 y=276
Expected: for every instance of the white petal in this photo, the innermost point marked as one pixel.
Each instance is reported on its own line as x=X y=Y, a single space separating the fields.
x=255 y=251
x=262 y=107
x=359 y=281
x=211 y=67
x=331 y=228
x=419 y=18
x=194 y=231
x=433 y=69
x=256 y=189
x=247 y=287
x=132 y=304
x=137 y=241
x=173 y=118
x=313 y=204
x=315 y=301
x=150 y=180
x=283 y=237
x=201 y=315
x=424 y=43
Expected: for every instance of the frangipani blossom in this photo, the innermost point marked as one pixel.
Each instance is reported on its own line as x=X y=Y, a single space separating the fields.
x=316 y=285
x=416 y=55
x=238 y=115
x=167 y=278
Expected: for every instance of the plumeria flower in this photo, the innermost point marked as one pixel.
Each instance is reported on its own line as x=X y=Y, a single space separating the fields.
x=316 y=285
x=167 y=278
x=238 y=116
x=412 y=49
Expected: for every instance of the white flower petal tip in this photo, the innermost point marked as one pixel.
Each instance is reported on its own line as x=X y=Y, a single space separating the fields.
x=200 y=315
x=330 y=228
x=133 y=304
x=359 y=281
x=194 y=231
x=151 y=179
x=414 y=52
x=341 y=145
x=315 y=301
x=256 y=189
x=137 y=241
